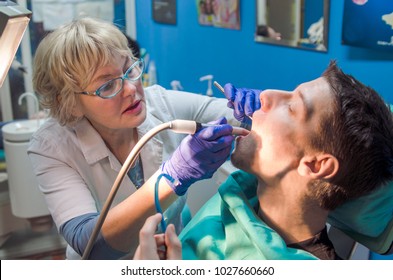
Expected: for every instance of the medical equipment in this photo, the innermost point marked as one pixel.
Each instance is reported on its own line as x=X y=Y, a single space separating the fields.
x=367 y=220
x=14 y=20
x=208 y=78
x=36 y=103
x=27 y=201
x=347 y=243
x=235 y=131
x=152 y=73
x=156 y=198
x=177 y=126
x=217 y=85
x=176 y=85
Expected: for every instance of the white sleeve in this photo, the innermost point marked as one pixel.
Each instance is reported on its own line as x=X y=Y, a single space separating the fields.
x=190 y=106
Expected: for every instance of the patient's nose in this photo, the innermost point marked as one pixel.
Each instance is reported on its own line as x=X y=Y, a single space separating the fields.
x=272 y=98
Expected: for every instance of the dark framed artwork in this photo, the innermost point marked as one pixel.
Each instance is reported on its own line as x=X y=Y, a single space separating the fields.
x=164 y=11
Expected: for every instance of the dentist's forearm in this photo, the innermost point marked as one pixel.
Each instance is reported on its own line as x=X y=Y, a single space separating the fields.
x=123 y=222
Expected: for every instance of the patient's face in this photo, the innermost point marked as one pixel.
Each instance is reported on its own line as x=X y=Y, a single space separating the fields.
x=280 y=129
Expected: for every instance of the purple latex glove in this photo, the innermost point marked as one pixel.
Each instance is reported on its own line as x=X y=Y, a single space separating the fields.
x=243 y=101
x=199 y=155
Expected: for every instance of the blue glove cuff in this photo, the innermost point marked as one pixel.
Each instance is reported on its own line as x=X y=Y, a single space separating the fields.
x=246 y=123
x=179 y=188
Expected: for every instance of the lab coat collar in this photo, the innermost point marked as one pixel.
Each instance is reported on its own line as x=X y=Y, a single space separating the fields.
x=92 y=145
x=94 y=148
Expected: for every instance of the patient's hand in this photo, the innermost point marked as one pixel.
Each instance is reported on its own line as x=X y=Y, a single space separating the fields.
x=157 y=246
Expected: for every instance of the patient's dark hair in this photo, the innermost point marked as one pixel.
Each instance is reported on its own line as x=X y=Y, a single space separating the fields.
x=359 y=132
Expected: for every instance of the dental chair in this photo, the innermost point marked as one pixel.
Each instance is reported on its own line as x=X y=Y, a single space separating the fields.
x=367 y=220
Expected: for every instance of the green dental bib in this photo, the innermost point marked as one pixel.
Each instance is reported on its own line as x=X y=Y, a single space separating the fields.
x=227 y=227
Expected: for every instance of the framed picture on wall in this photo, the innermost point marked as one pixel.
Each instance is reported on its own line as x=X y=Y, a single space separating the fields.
x=219 y=13
x=164 y=11
x=368 y=24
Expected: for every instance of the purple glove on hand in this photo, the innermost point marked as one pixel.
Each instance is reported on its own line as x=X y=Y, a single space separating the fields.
x=199 y=155
x=243 y=101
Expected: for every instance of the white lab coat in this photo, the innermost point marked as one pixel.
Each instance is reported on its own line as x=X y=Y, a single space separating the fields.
x=75 y=169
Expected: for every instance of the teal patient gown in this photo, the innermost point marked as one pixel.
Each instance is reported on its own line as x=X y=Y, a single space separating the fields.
x=227 y=227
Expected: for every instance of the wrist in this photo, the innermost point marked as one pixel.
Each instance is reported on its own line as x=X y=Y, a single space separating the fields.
x=175 y=183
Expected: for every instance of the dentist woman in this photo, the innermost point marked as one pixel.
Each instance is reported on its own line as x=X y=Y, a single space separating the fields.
x=87 y=77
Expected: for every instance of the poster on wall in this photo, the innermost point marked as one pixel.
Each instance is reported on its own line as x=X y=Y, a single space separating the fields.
x=164 y=11
x=368 y=24
x=219 y=13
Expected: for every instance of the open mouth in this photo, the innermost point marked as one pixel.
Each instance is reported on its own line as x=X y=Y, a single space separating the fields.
x=134 y=107
x=239 y=138
x=242 y=137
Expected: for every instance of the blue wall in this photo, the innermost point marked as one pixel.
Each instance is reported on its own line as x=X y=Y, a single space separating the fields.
x=187 y=51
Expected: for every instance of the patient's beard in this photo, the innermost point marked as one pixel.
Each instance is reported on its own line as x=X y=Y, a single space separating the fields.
x=244 y=153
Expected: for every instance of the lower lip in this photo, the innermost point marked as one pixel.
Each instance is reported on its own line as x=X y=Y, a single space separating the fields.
x=242 y=137
x=134 y=110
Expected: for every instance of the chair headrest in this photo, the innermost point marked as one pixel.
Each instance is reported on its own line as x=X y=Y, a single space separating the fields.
x=368 y=219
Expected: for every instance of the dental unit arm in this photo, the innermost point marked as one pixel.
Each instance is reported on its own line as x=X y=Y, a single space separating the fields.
x=177 y=126
x=208 y=78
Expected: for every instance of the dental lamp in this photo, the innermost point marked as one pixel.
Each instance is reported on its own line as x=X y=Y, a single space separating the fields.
x=14 y=20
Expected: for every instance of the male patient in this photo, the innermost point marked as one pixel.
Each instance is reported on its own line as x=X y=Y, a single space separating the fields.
x=309 y=151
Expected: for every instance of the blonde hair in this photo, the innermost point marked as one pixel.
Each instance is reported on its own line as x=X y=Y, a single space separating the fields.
x=67 y=59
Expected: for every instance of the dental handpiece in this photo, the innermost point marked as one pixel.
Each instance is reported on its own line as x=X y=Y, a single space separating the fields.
x=235 y=129
x=217 y=85
x=191 y=127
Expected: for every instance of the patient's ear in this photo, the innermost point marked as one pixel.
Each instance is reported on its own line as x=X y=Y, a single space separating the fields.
x=322 y=166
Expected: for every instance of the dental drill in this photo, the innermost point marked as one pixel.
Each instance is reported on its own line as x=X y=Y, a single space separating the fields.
x=177 y=126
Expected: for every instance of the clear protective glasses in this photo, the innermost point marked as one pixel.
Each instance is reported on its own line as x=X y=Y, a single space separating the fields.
x=114 y=86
